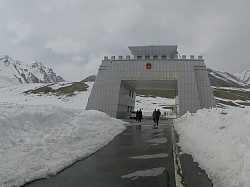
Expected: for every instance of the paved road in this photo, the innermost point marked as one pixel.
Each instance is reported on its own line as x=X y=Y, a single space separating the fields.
x=140 y=157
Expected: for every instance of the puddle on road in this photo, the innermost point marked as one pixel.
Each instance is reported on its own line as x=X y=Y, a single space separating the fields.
x=126 y=134
x=159 y=155
x=145 y=173
x=157 y=141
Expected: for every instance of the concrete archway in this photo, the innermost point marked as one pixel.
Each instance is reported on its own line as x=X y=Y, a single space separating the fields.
x=153 y=67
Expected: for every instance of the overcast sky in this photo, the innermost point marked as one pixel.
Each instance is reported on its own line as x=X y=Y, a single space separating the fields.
x=72 y=36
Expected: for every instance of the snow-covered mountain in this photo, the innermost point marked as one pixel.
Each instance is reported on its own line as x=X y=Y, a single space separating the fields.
x=225 y=79
x=17 y=72
x=244 y=76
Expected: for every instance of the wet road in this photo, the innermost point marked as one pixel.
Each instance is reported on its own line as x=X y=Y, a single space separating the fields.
x=139 y=157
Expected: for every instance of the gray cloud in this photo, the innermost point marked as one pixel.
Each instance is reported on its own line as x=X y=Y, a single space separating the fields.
x=22 y=30
x=74 y=35
x=66 y=46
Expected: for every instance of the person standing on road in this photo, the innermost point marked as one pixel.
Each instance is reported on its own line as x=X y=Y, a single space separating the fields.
x=139 y=115
x=158 y=113
x=154 y=116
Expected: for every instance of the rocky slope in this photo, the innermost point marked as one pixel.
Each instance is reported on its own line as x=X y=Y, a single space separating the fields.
x=225 y=79
x=17 y=72
x=244 y=76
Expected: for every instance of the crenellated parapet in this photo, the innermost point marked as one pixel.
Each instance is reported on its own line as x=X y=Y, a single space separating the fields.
x=168 y=52
x=152 y=57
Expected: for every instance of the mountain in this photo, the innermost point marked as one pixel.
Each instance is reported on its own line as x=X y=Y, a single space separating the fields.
x=17 y=72
x=244 y=76
x=90 y=78
x=225 y=79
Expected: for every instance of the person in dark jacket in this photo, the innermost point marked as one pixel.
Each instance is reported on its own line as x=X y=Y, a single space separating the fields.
x=157 y=116
x=154 y=116
x=139 y=115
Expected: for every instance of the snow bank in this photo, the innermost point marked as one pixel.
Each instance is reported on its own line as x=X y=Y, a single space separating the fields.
x=37 y=141
x=219 y=143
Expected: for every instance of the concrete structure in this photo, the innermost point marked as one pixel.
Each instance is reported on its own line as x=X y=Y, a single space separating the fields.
x=152 y=68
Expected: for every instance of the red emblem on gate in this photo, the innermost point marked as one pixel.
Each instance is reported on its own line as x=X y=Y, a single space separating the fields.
x=148 y=66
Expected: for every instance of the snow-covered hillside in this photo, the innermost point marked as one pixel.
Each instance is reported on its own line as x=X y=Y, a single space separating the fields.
x=15 y=95
x=17 y=72
x=224 y=79
x=244 y=76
